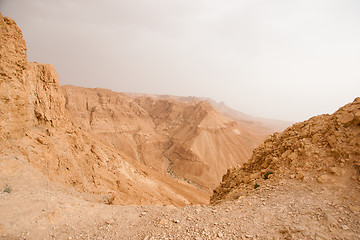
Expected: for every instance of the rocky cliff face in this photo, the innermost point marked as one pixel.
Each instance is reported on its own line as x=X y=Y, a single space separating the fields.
x=13 y=103
x=322 y=149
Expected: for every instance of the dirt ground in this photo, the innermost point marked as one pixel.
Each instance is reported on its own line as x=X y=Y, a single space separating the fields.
x=37 y=208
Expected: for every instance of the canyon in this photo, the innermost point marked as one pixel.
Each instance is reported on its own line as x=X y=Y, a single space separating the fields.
x=81 y=163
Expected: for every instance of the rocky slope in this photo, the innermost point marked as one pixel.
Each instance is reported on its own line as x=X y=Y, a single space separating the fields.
x=186 y=140
x=323 y=149
x=37 y=208
x=258 y=126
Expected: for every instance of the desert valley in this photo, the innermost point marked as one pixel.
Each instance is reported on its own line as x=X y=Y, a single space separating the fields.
x=82 y=163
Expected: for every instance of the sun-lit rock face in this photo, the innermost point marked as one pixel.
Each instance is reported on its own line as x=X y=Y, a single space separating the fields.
x=312 y=150
x=36 y=125
x=186 y=140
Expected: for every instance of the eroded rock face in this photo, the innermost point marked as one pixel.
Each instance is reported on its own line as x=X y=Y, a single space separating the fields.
x=13 y=87
x=316 y=148
x=186 y=140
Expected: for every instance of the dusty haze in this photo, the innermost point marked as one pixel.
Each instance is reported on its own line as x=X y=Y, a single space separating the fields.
x=285 y=60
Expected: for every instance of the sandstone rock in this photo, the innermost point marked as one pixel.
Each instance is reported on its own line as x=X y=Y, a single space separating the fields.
x=345 y=227
x=293 y=156
x=300 y=176
x=335 y=170
x=255 y=175
x=163 y=221
x=355 y=209
x=320 y=236
x=323 y=178
x=329 y=219
x=246 y=179
x=345 y=118
x=321 y=143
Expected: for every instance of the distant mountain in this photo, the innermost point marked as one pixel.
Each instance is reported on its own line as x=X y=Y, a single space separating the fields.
x=256 y=123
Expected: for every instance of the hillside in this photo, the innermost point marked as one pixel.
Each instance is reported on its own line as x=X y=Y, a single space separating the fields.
x=259 y=126
x=323 y=149
x=186 y=140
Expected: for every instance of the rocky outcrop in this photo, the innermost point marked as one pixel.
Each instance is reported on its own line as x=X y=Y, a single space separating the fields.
x=14 y=116
x=316 y=149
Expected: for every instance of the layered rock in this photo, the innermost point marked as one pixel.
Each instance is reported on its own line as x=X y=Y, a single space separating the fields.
x=14 y=117
x=185 y=140
x=314 y=150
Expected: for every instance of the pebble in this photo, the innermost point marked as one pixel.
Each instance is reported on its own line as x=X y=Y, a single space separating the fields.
x=320 y=236
x=345 y=227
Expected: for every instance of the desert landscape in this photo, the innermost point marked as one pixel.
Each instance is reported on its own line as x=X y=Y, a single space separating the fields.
x=92 y=163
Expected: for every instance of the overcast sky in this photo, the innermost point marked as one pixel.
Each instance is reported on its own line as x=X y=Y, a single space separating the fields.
x=277 y=59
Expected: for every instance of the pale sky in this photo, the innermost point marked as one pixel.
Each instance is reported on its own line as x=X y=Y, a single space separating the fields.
x=280 y=59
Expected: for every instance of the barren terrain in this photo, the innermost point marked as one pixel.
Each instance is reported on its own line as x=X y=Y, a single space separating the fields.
x=79 y=163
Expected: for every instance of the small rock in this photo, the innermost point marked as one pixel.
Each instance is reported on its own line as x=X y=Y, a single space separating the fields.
x=354 y=209
x=345 y=118
x=323 y=178
x=320 y=236
x=246 y=179
x=163 y=221
x=345 y=227
x=170 y=207
x=220 y=235
x=299 y=228
x=329 y=219
x=300 y=176
x=255 y=175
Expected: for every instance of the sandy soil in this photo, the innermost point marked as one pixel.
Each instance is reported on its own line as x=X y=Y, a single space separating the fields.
x=37 y=208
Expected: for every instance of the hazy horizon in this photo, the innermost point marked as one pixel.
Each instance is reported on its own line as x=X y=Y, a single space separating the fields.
x=286 y=60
